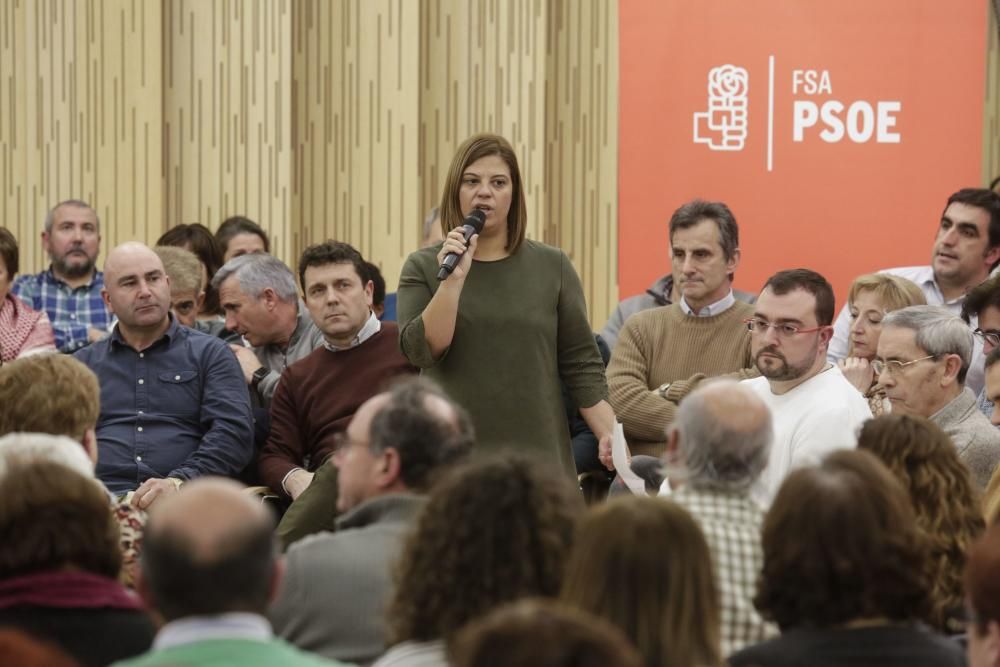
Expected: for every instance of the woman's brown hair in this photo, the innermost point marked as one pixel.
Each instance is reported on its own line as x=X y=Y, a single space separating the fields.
x=841 y=543
x=491 y=532
x=922 y=457
x=472 y=149
x=643 y=564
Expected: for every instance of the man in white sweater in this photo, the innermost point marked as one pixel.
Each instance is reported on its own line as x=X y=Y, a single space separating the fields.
x=814 y=408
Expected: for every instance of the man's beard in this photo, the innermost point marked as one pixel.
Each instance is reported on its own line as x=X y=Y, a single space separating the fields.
x=62 y=267
x=785 y=371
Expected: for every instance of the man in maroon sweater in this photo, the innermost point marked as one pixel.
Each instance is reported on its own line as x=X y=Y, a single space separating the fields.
x=317 y=396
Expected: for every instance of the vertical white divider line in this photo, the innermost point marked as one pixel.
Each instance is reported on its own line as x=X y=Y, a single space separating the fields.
x=770 y=113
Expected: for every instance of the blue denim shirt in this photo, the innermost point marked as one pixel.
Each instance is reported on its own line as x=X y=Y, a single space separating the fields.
x=179 y=408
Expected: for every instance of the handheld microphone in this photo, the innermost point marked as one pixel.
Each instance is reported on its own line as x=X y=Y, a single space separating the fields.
x=473 y=224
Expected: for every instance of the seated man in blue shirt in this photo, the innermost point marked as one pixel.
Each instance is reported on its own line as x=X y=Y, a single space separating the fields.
x=174 y=405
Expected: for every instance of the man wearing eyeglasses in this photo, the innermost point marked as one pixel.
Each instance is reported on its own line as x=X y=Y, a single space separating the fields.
x=966 y=249
x=923 y=357
x=982 y=306
x=814 y=408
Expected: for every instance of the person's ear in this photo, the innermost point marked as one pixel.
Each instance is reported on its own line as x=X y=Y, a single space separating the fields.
x=389 y=468
x=89 y=443
x=107 y=300
x=733 y=262
x=952 y=367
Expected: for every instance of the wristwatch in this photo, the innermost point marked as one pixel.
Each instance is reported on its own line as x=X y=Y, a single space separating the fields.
x=662 y=389
x=258 y=375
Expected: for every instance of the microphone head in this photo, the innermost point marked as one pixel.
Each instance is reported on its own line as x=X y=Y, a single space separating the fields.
x=476 y=219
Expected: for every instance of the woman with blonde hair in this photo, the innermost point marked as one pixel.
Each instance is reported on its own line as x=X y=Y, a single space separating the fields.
x=870 y=298
x=921 y=456
x=502 y=329
x=643 y=564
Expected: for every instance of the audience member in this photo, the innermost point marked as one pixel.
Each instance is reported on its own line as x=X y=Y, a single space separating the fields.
x=845 y=573
x=199 y=240
x=542 y=633
x=667 y=289
x=187 y=292
x=815 y=410
x=317 y=396
x=923 y=357
x=209 y=569
x=57 y=395
x=378 y=291
x=337 y=584
x=173 y=402
x=982 y=576
x=643 y=564
x=492 y=532
x=23 y=330
x=69 y=291
x=983 y=305
x=703 y=333
x=921 y=456
x=966 y=248
x=241 y=236
x=60 y=561
x=871 y=297
x=500 y=333
x=717 y=447
x=261 y=302
x=991 y=497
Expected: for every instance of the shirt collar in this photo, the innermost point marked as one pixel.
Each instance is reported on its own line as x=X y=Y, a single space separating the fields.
x=371 y=327
x=235 y=625
x=170 y=333
x=711 y=309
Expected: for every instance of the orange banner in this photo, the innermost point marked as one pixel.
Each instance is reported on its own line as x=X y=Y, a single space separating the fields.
x=834 y=131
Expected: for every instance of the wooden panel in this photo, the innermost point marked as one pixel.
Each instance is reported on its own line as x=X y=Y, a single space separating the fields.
x=227 y=114
x=991 y=120
x=581 y=146
x=355 y=101
x=80 y=116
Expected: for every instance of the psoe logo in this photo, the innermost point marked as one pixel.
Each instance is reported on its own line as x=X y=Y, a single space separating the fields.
x=724 y=126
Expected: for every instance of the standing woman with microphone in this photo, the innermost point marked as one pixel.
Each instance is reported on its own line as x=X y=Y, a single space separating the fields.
x=501 y=330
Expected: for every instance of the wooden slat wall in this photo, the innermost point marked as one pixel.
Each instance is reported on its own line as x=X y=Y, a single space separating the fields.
x=80 y=116
x=356 y=111
x=317 y=118
x=991 y=128
x=227 y=85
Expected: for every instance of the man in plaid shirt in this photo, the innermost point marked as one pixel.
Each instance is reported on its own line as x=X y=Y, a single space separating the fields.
x=69 y=291
x=717 y=447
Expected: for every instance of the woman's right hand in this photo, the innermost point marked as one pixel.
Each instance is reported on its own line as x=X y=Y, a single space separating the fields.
x=455 y=242
x=858 y=371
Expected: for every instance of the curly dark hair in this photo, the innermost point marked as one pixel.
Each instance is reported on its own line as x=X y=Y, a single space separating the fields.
x=493 y=531
x=332 y=252
x=841 y=543
x=924 y=460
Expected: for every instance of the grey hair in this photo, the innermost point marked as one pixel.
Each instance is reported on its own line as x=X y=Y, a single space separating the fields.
x=257 y=272
x=75 y=203
x=725 y=435
x=42 y=447
x=937 y=331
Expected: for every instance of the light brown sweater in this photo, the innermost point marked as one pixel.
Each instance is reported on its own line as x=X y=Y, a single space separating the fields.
x=664 y=345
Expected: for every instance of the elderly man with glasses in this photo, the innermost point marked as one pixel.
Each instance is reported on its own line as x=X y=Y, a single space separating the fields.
x=814 y=408
x=923 y=357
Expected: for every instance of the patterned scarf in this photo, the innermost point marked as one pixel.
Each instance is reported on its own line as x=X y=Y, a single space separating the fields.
x=17 y=324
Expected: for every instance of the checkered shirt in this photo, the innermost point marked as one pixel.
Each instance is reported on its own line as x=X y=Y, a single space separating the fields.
x=72 y=311
x=732 y=523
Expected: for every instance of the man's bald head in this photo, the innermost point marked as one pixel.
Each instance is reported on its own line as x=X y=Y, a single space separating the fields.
x=209 y=550
x=137 y=289
x=724 y=432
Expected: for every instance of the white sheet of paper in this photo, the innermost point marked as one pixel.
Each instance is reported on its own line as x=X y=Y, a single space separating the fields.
x=619 y=454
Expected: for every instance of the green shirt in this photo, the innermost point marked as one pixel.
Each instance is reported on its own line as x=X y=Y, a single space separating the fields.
x=230 y=653
x=522 y=326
